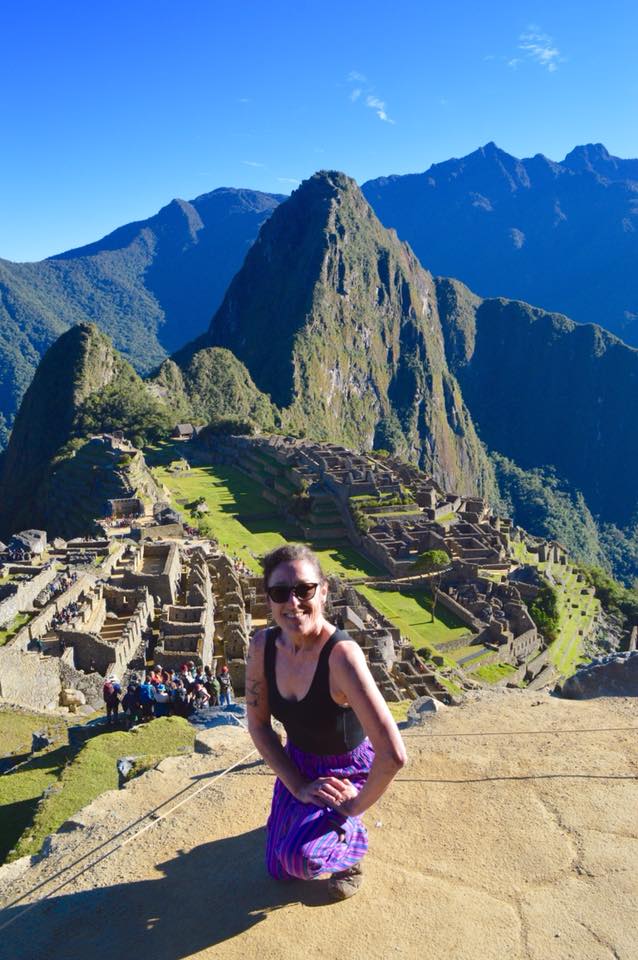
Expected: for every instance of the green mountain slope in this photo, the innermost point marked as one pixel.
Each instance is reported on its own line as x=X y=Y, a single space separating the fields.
x=214 y=384
x=545 y=506
x=338 y=324
x=151 y=286
x=82 y=386
x=545 y=390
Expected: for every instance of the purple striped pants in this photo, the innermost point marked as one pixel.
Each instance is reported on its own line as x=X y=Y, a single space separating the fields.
x=304 y=840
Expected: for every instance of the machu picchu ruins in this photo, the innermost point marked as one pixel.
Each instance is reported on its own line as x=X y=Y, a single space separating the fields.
x=144 y=585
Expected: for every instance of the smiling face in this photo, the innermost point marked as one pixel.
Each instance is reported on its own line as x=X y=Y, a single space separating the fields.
x=298 y=618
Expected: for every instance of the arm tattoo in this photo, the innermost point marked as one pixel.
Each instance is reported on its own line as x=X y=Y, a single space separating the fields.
x=253 y=693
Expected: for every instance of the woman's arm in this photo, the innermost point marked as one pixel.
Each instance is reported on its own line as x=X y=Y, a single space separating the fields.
x=325 y=790
x=351 y=677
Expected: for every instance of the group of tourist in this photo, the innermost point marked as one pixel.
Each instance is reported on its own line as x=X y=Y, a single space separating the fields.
x=116 y=523
x=61 y=583
x=17 y=555
x=65 y=616
x=241 y=568
x=163 y=693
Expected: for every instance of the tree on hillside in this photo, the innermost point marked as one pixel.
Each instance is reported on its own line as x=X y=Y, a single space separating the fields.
x=229 y=426
x=545 y=611
x=124 y=405
x=435 y=562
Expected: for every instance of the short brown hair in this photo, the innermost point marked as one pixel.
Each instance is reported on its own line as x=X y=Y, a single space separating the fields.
x=288 y=553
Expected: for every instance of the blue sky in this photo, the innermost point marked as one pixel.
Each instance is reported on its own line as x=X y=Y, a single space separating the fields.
x=110 y=110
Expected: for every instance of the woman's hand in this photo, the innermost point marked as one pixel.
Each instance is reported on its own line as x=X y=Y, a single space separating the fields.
x=327 y=791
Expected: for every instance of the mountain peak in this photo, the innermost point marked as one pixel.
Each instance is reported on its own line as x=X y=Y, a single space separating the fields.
x=595 y=158
x=490 y=149
x=334 y=178
x=326 y=184
x=587 y=153
x=81 y=361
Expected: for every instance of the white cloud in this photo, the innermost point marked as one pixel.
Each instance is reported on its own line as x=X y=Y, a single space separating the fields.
x=514 y=62
x=540 y=48
x=367 y=96
x=379 y=108
x=289 y=180
x=243 y=100
x=252 y=163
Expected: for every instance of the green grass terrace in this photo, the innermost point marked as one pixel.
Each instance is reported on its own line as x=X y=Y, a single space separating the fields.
x=244 y=523
x=10 y=631
x=577 y=610
x=74 y=776
x=412 y=613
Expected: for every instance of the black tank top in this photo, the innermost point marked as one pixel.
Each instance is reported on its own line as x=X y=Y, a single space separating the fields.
x=315 y=724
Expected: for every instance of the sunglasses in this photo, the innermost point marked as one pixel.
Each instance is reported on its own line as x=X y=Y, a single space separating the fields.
x=280 y=592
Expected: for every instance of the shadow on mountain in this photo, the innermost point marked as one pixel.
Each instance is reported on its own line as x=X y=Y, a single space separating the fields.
x=211 y=894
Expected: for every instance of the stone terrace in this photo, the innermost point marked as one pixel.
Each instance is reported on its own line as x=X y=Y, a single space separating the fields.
x=396 y=542
x=186 y=629
x=495 y=611
x=108 y=629
x=156 y=566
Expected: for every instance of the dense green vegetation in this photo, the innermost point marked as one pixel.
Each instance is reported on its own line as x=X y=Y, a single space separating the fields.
x=213 y=386
x=125 y=405
x=544 y=611
x=544 y=505
x=620 y=548
x=81 y=386
x=614 y=597
x=430 y=561
x=227 y=426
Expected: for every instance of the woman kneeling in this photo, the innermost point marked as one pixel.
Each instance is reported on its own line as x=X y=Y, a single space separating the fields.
x=343 y=747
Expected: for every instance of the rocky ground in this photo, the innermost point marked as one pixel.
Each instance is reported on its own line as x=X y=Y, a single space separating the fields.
x=511 y=833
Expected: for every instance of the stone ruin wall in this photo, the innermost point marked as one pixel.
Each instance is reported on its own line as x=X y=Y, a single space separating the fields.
x=40 y=625
x=232 y=624
x=125 y=507
x=187 y=631
x=29 y=680
x=164 y=584
x=90 y=650
x=184 y=639
x=105 y=569
x=26 y=592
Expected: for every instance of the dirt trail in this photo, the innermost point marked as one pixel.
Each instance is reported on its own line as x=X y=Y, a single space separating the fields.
x=502 y=838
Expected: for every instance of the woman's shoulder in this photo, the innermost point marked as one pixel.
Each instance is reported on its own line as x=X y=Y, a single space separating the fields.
x=345 y=650
x=259 y=646
x=259 y=639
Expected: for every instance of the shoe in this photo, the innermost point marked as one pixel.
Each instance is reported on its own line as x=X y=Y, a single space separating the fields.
x=346 y=883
